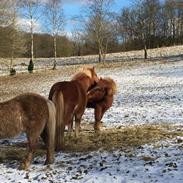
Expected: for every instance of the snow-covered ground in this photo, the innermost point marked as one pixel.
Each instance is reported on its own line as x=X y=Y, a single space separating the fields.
x=150 y=93
x=147 y=93
x=161 y=162
x=20 y=64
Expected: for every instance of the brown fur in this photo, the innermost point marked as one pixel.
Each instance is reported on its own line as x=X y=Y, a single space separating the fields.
x=29 y=113
x=70 y=98
x=101 y=98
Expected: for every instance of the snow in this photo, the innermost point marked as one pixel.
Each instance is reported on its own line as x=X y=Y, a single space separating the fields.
x=165 y=164
x=147 y=94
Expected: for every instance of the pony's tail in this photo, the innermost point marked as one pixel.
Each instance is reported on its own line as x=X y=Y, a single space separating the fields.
x=50 y=128
x=58 y=100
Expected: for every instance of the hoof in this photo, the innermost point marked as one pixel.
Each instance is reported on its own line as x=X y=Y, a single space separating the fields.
x=24 y=166
x=48 y=162
x=98 y=131
x=59 y=148
x=97 y=126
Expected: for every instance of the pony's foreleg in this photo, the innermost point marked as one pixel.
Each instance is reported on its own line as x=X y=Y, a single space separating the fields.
x=70 y=130
x=77 y=124
x=99 y=112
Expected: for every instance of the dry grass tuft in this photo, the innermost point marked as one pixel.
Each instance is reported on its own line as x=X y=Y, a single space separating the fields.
x=123 y=138
x=120 y=138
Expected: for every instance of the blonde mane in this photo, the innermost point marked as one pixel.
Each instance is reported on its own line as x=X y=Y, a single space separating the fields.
x=83 y=72
x=109 y=82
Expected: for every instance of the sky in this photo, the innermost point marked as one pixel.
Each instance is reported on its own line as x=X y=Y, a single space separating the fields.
x=73 y=8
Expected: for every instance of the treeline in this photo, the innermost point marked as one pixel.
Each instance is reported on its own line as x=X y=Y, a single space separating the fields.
x=151 y=24
x=43 y=45
x=145 y=24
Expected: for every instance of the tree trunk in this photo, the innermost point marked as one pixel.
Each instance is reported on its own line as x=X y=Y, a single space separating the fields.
x=12 y=55
x=79 y=50
x=32 y=40
x=55 y=52
x=99 y=55
x=145 y=52
x=32 y=46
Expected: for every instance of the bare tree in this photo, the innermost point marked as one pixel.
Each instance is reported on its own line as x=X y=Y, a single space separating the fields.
x=16 y=38
x=126 y=22
x=98 y=24
x=3 y=12
x=141 y=23
x=55 y=22
x=12 y=42
x=77 y=37
x=31 y=12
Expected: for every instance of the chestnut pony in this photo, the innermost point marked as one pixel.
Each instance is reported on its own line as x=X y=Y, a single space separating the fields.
x=101 y=98
x=29 y=113
x=70 y=99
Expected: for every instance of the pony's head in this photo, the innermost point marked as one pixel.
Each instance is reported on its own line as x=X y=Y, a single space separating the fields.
x=93 y=75
x=110 y=84
x=87 y=72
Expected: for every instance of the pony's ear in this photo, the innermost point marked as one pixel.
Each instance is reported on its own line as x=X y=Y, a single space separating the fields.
x=93 y=68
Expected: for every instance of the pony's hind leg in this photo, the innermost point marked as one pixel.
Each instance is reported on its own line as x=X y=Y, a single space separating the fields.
x=70 y=125
x=69 y=121
x=32 y=143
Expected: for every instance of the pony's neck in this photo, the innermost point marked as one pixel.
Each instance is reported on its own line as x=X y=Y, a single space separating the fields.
x=85 y=82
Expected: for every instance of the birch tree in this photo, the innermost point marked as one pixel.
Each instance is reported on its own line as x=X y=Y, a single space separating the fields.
x=31 y=12
x=55 y=22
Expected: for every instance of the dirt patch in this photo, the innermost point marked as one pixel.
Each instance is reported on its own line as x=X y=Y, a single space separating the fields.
x=37 y=82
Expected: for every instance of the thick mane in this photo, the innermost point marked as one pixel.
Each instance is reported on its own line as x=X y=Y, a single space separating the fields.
x=80 y=76
x=110 y=83
x=84 y=72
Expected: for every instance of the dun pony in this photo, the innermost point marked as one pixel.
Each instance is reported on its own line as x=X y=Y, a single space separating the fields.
x=70 y=99
x=29 y=113
x=101 y=98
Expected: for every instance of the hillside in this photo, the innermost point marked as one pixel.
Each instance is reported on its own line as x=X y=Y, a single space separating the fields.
x=142 y=136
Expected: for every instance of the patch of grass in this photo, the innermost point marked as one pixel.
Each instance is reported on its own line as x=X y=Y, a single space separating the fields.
x=120 y=138
x=123 y=138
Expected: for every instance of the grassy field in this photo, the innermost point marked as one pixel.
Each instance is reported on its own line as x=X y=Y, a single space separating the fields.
x=111 y=138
